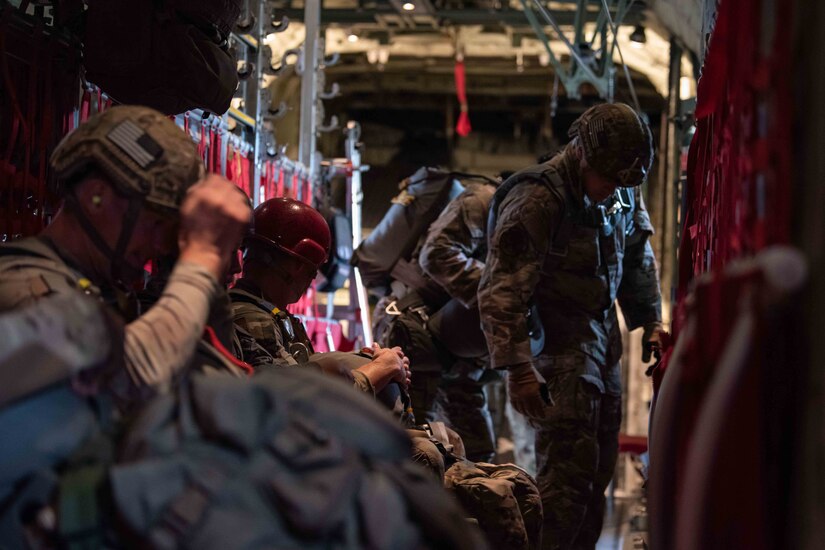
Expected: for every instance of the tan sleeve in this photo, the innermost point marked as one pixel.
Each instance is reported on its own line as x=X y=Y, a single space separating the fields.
x=362 y=383
x=160 y=343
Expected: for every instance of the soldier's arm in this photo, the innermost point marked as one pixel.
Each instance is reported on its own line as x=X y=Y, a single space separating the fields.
x=639 y=293
x=160 y=343
x=518 y=246
x=451 y=242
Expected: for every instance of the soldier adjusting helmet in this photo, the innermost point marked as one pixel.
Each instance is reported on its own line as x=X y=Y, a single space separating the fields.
x=143 y=156
x=138 y=149
x=616 y=142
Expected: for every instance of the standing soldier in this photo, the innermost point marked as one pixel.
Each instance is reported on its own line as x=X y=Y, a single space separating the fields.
x=568 y=238
x=134 y=189
x=453 y=256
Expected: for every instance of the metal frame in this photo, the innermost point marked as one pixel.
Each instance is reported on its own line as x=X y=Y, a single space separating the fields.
x=600 y=71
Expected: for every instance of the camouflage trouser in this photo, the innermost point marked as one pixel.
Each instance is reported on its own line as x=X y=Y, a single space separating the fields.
x=576 y=451
x=457 y=398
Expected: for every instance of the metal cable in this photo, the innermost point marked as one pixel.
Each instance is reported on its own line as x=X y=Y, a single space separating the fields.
x=621 y=56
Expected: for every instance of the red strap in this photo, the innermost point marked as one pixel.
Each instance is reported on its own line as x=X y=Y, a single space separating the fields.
x=281 y=181
x=212 y=338
x=85 y=105
x=462 y=127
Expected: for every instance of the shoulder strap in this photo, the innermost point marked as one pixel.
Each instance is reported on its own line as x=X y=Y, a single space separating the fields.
x=548 y=177
x=33 y=248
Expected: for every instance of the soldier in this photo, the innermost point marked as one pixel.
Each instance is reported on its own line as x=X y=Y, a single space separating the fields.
x=134 y=189
x=282 y=255
x=453 y=256
x=570 y=236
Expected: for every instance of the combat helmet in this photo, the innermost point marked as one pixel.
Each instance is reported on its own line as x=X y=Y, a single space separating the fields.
x=617 y=143
x=292 y=227
x=143 y=155
x=141 y=151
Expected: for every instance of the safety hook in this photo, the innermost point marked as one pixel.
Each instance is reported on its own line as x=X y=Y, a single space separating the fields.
x=334 y=91
x=285 y=61
x=333 y=125
x=279 y=112
x=332 y=60
x=245 y=22
x=281 y=25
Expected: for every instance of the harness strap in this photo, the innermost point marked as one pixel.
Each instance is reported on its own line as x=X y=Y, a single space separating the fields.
x=213 y=339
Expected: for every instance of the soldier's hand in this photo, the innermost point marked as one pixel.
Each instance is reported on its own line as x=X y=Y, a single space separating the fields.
x=385 y=367
x=524 y=387
x=651 y=341
x=213 y=218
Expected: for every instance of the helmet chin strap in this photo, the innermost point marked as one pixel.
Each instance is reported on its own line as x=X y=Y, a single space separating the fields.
x=119 y=267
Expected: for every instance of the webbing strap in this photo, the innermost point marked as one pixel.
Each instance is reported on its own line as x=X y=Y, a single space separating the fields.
x=185 y=511
x=216 y=343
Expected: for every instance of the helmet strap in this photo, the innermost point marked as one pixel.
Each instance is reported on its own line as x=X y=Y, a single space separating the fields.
x=117 y=264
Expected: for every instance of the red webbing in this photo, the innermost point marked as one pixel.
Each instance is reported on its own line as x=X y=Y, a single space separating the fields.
x=212 y=338
x=462 y=127
x=739 y=183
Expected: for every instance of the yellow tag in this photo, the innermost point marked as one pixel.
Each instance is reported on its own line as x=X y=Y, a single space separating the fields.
x=403 y=198
x=84 y=284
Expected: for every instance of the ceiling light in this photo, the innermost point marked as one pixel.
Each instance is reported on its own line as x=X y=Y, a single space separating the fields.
x=352 y=37
x=408 y=6
x=638 y=37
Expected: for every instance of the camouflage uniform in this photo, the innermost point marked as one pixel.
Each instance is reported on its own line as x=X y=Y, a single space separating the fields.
x=269 y=336
x=452 y=255
x=572 y=259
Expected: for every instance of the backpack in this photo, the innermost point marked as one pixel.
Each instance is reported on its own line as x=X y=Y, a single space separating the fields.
x=288 y=459
x=336 y=270
x=503 y=498
x=403 y=323
x=424 y=195
x=167 y=54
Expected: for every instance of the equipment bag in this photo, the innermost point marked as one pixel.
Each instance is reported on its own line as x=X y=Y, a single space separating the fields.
x=503 y=498
x=423 y=196
x=287 y=459
x=403 y=323
x=169 y=55
x=336 y=269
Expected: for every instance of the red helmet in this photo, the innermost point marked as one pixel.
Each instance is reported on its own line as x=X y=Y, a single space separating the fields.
x=294 y=228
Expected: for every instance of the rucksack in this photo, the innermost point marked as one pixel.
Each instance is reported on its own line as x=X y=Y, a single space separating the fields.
x=287 y=459
x=403 y=323
x=424 y=195
x=167 y=54
x=503 y=498
x=336 y=270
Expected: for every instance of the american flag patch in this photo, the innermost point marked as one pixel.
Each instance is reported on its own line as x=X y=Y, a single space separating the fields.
x=137 y=144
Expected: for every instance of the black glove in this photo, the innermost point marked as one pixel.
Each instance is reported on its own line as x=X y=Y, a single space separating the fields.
x=651 y=343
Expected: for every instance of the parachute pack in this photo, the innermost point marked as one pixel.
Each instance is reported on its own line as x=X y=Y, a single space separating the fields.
x=423 y=196
x=172 y=56
x=287 y=459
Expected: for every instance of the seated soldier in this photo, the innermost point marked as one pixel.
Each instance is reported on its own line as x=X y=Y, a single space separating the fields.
x=133 y=186
x=290 y=241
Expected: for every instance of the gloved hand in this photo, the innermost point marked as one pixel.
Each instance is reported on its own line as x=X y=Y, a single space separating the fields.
x=651 y=340
x=524 y=385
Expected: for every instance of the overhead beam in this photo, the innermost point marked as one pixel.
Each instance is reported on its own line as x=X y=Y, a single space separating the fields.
x=510 y=18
